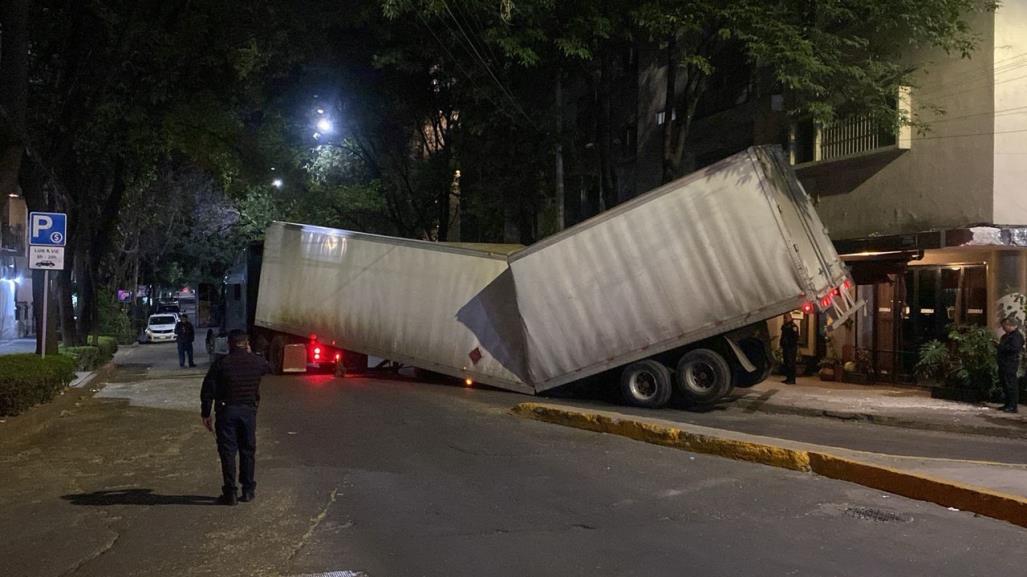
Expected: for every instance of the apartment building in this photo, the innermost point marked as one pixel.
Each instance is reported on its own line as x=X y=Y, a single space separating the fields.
x=932 y=220
x=15 y=280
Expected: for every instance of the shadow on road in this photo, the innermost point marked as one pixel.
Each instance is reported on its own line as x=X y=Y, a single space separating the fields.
x=136 y=497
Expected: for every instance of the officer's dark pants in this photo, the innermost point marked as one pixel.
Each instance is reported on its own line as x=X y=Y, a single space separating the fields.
x=236 y=428
x=789 y=354
x=1010 y=386
x=185 y=349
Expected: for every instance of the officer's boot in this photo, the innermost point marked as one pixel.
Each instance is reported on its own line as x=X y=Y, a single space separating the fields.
x=228 y=498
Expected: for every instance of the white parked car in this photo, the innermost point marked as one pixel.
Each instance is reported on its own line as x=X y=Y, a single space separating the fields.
x=160 y=328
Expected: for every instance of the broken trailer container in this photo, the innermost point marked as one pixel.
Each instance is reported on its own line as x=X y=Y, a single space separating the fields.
x=668 y=291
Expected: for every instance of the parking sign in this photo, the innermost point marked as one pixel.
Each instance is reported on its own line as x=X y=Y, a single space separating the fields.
x=47 y=228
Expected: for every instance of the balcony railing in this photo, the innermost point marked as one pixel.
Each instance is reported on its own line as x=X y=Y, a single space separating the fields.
x=853 y=136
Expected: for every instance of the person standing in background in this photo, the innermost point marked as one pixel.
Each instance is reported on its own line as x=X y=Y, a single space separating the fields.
x=789 y=347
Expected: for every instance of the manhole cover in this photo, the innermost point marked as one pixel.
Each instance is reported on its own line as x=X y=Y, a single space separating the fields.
x=875 y=515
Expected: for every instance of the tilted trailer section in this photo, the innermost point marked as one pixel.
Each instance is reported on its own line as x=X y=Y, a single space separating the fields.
x=667 y=292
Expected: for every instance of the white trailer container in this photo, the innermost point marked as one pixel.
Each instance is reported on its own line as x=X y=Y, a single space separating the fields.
x=672 y=286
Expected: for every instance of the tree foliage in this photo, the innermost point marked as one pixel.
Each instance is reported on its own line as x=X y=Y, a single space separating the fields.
x=175 y=131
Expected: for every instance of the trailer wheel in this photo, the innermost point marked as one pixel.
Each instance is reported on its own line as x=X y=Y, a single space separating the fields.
x=646 y=384
x=276 y=355
x=759 y=354
x=703 y=376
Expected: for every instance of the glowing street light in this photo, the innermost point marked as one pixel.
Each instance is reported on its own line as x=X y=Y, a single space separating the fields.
x=277 y=183
x=325 y=126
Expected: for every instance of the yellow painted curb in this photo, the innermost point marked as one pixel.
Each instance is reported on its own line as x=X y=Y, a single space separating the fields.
x=668 y=436
x=979 y=500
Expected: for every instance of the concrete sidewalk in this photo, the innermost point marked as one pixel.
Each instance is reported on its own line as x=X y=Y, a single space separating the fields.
x=902 y=406
x=997 y=490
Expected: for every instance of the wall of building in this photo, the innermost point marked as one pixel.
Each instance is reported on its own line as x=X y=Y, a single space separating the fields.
x=945 y=180
x=1010 y=120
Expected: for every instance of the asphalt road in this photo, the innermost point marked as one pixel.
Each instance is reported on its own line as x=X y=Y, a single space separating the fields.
x=17 y=346
x=409 y=479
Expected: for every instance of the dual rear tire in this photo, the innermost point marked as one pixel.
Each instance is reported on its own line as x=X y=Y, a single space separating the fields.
x=702 y=377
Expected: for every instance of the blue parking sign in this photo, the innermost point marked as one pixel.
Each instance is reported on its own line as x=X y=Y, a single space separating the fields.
x=48 y=228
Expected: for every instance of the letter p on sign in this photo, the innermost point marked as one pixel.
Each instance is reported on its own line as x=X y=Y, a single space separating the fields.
x=40 y=222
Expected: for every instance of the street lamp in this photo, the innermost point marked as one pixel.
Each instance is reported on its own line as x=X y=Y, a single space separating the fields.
x=277 y=183
x=325 y=126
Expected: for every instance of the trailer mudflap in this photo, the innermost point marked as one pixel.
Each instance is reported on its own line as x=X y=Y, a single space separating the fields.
x=743 y=359
x=294 y=358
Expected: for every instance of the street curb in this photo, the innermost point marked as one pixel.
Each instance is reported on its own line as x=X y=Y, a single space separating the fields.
x=887 y=421
x=1010 y=508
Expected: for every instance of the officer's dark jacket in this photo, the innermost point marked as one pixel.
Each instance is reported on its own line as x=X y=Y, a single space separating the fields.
x=789 y=335
x=1009 y=348
x=184 y=332
x=234 y=379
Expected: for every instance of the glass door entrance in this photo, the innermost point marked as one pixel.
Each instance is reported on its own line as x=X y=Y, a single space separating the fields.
x=932 y=301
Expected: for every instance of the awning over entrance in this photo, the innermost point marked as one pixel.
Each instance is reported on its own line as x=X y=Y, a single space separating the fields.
x=874 y=267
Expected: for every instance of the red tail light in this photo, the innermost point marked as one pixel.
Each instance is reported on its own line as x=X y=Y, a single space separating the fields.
x=807 y=307
x=317 y=353
x=847 y=284
x=338 y=357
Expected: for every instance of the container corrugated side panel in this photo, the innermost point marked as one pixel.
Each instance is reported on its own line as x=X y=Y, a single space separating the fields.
x=698 y=256
x=823 y=268
x=393 y=298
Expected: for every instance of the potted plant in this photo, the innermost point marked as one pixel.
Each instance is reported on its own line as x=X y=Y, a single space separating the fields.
x=861 y=369
x=964 y=369
x=830 y=367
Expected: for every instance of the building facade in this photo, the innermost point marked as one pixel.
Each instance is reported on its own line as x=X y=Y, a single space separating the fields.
x=15 y=280
x=933 y=220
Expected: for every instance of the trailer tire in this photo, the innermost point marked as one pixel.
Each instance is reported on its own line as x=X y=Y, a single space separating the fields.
x=703 y=376
x=276 y=355
x=646 y=384
x=759 y=354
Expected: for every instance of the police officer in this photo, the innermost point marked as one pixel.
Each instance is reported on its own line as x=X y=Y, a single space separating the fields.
x=184 y=336
x=789 y=347
x=1009 y=349
x=233 y=386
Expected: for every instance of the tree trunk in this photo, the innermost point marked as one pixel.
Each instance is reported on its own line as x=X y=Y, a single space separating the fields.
x=85 y=290
x=607 y=179
x=558 y=187
x=69 y=334
x=13 y=91
x=670 y=93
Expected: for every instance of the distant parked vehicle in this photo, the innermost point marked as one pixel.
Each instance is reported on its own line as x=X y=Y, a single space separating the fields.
x=160 y=328
x=168 y=308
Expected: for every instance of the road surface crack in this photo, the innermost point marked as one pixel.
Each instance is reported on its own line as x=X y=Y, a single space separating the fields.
x=100 y=553
x=315 y=521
